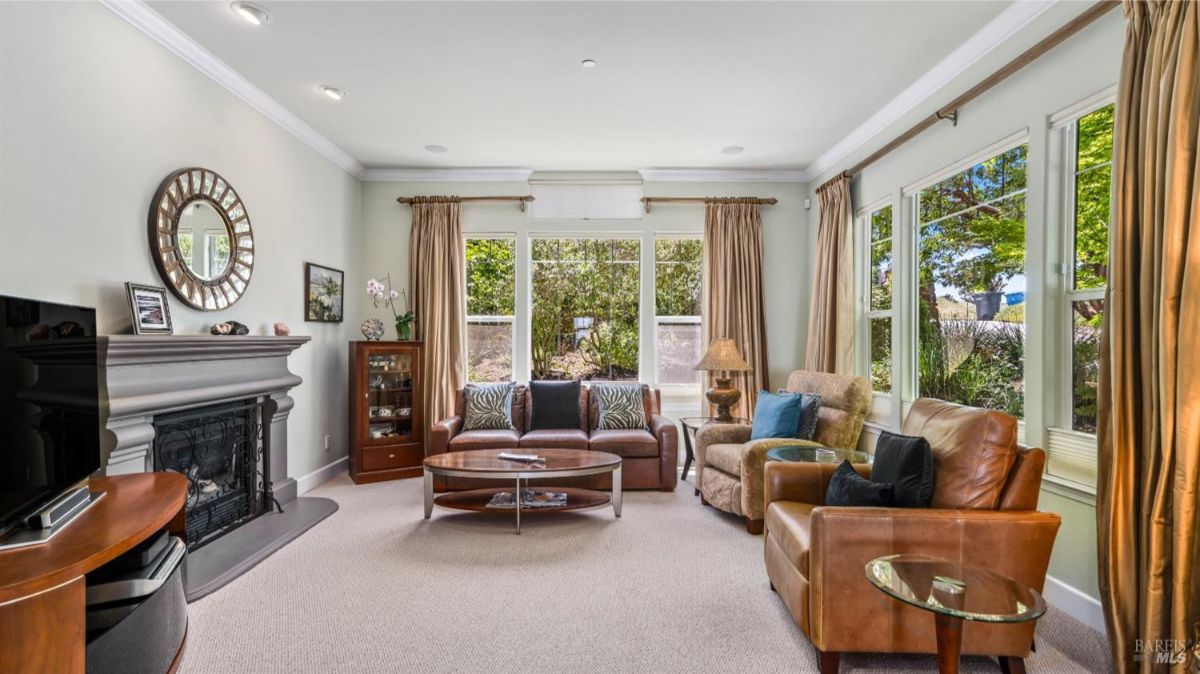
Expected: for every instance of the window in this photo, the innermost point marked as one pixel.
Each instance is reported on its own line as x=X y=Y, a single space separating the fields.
x=585 y=302
x=971 y=285
x=878 y=300
x=677 y=309
x=491 y=292
x=1090 y=174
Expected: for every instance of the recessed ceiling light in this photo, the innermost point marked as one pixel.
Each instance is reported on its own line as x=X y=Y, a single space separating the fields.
x=332 y=92
x=439 y=149
x=253 y=14
x=732 y=149
x=588 y=63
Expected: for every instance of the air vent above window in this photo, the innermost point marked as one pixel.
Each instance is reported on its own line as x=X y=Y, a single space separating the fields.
x=617 y=199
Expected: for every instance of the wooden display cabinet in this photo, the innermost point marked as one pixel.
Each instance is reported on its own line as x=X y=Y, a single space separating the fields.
x=387 y=422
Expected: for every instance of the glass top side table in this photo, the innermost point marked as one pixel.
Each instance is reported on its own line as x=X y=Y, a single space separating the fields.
x=954 y=592
x=818 y=455
x=690 y=426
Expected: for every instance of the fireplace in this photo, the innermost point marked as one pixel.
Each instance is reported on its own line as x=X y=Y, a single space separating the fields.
x=224 y=452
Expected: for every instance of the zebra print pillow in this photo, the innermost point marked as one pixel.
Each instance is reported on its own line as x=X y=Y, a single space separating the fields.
x=488 y=407
x=620 y=406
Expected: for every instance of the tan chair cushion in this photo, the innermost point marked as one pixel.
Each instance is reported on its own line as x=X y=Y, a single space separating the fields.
x=974 y=449
x=567 y=438
x=788 y=525
x=495 y=439
x=624 y=443
x=844 y=402
x=727 y=458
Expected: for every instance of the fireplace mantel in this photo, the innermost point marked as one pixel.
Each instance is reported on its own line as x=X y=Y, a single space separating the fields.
x=148 y=375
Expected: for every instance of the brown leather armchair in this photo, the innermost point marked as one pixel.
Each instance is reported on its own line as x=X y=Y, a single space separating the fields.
x=984 y=513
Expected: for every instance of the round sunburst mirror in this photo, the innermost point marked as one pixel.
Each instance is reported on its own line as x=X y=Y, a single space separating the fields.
x=200 y=239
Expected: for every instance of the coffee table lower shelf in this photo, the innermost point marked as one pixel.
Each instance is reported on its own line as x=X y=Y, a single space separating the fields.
x=476 y=500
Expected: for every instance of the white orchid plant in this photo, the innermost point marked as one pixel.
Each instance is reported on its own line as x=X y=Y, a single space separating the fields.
x=381 y=292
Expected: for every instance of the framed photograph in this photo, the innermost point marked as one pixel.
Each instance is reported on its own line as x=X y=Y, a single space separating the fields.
x=151 y=313
x=323 y=293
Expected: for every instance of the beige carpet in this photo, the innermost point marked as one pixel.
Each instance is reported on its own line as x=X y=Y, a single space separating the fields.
x=670 y=587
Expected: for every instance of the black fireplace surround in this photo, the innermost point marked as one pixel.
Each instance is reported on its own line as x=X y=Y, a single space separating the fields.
x=224 y=452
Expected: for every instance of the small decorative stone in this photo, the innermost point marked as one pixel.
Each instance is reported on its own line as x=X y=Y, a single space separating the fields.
x=229 y=328
x=42 y=331
x=282 y=330
x=67 y=329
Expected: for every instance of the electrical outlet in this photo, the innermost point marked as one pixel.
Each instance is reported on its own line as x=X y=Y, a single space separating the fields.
x=327 y=443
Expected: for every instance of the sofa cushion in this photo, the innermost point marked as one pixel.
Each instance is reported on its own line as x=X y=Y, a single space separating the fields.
x=553 y=405
x=487 y=439
x=621 y=406
x=489 y=407
x=628 y=443
x=520 y=392
x=788 y=523
x=973 y=449
x=725 y=457
x=650 y=405
x=564 y=438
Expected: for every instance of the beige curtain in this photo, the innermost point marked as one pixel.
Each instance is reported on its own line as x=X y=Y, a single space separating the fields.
x=831 y=311
x=436 y=278
x=732 y=304
x=1149 y=424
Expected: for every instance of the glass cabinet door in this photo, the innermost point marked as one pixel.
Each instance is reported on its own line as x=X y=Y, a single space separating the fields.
x=389 y=397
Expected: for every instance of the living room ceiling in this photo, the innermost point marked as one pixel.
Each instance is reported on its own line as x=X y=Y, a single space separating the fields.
x=500 y=84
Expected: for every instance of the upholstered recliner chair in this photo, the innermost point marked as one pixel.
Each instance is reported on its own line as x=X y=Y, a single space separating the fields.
x=984 y=513
x=729 y=466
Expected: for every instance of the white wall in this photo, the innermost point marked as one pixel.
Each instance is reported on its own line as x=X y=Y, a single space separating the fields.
x=1086 y=64
x=786 y=258
x=93 y=115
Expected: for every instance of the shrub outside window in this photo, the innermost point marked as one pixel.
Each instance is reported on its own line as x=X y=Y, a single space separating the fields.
x=677 y=263
x=491 y=293
x=971 y=285
x=585 y=303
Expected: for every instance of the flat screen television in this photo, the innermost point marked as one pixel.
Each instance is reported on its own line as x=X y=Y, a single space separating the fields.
x=49 y=403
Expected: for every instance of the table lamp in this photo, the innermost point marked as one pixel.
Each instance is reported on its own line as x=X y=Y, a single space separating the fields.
x=722 y=357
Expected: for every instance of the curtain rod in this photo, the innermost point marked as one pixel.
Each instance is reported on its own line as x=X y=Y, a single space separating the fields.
x=678 y=200
x=950 y=110
x=521 y=199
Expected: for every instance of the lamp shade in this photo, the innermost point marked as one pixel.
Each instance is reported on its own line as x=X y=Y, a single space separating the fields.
x=723 y=355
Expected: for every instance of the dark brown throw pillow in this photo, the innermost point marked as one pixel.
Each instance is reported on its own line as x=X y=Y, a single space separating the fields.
x=848 y=488
x=555 y=405
x=907 y=462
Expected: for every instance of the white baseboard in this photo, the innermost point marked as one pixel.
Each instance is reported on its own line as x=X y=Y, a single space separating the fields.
x=1075 y=603
x=322 y=474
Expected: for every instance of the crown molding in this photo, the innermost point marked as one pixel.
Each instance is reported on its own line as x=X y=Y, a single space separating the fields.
x=723 y=175
x=138 y=14
x=989 y=38
x=444 y=175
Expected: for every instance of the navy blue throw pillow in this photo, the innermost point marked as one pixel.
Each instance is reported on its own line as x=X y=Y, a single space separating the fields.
x=848 y=488
x=554 y=405
x=776 y=415
x=907 y=462
x=810 y=405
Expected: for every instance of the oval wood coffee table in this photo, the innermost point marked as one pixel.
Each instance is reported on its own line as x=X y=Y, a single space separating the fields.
x=487 y=464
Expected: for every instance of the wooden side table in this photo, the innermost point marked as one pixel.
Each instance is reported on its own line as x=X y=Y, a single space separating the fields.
x=690 y=426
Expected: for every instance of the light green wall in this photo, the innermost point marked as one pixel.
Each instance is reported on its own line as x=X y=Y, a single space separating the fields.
x=93 y=115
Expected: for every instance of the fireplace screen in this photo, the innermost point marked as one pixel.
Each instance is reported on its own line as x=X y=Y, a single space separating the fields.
x=222 y=450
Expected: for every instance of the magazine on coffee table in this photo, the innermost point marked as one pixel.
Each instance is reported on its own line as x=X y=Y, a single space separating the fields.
x=530 y=498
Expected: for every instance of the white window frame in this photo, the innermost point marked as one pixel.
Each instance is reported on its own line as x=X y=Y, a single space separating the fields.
x=645 y=360
x=912 y=194
x=677 y=392
x=511 y=320
x=881 y=403
x=1071 y=455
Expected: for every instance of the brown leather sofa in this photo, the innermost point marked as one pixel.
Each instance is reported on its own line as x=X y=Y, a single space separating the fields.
x=984 y=512
x=649 y=458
